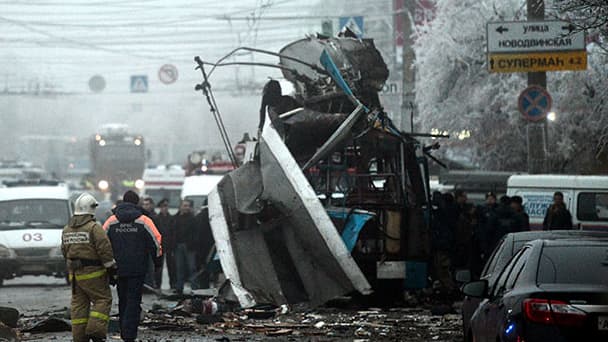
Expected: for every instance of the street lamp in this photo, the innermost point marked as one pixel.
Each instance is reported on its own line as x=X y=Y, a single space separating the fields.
x=551 y=116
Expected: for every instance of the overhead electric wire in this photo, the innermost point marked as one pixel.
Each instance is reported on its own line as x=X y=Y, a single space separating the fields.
x=130 y=40
x=78 y=42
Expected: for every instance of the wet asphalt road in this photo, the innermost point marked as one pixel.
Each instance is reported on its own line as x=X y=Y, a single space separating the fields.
x=38 y=297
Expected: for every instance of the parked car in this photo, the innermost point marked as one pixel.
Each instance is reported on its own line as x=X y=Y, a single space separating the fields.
x=32 y=217
x=551 y=290
x=504 y=251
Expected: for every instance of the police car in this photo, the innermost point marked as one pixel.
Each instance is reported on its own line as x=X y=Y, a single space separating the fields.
x=32 y=217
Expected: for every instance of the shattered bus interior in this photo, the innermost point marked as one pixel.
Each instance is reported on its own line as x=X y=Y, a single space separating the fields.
x=332 y=200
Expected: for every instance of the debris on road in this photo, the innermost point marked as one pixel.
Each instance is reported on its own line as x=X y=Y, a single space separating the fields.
x=8 y=334
x=9 y=316
x=373 y=324
x=50 y=324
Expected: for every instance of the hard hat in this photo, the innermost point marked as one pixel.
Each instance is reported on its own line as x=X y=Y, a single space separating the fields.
x=85 y=204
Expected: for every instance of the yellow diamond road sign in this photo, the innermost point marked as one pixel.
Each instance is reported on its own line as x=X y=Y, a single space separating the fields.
x=537 y=62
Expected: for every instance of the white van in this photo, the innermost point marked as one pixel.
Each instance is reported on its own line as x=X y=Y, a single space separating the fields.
x=197 y=188
x=32 y=217
x=586 y=197
x=164 y=182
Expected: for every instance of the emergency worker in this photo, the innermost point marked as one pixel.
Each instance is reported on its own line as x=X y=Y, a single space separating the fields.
x=134 y=239
x=91 y=264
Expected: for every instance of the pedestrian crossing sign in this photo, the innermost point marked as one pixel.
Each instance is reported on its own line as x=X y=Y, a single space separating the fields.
x=354 y=24
x=139 y=84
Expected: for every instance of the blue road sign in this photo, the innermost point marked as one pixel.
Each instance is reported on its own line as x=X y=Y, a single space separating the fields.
x=355 y=24
x=139 y=84
x=534 y=103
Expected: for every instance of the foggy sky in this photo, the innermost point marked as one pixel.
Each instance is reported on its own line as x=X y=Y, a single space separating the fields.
x=59 y=44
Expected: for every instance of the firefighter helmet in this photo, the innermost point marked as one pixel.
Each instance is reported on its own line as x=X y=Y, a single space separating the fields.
x=85 y=204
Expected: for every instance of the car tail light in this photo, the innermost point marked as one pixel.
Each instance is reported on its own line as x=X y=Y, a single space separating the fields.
x=549 y=311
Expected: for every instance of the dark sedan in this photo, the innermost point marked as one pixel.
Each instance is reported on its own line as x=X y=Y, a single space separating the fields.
x=501 y=255
x=551 y=290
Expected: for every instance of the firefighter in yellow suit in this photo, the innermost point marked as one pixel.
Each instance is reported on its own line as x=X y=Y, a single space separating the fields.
x=91 y=268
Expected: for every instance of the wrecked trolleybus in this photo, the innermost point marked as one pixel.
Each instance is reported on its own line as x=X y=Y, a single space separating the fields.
x=331 y=198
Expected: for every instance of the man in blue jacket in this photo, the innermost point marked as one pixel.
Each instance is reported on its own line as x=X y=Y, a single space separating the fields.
x=134 y=239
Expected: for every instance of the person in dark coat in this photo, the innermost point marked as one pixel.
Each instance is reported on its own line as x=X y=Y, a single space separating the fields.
x=463 y=235
x=205 y=246
x=521 y=218
x=443 y=241
x=558 y=216
x=134 y=240
x=165 y=227
x=187 y=241
x=506 y=220
x=488 y=222
x=150 y=280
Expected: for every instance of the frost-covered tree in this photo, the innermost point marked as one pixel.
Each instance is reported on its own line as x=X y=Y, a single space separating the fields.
x=586 y=14
x=456 y=93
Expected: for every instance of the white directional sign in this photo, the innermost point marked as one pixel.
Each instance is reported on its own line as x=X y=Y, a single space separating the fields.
x=534 y=36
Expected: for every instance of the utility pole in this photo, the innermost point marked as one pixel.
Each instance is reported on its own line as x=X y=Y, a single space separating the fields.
x=537 y=131
x=408 y=101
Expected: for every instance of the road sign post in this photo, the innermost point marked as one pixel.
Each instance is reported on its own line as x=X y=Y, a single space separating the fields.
x=537 y=131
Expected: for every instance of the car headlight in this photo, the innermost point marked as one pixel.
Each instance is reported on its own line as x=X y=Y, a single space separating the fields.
x=56 y=253
x=103 y=185
x=6 y=252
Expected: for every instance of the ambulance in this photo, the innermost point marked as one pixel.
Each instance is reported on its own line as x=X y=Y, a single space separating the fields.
x=164 y=181
x=586 y=197
x=32 y=217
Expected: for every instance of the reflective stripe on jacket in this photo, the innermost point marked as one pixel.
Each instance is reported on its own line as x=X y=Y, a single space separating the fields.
x=84 y=238
x=134 y=239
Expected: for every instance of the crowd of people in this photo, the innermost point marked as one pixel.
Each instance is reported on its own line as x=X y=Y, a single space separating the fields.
x=187 y=244
x=464 y=235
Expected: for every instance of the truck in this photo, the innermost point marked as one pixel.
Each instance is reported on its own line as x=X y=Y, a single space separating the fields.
x=118 y=159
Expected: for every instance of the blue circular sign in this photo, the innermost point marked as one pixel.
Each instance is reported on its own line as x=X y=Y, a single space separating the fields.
x=534 y=103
